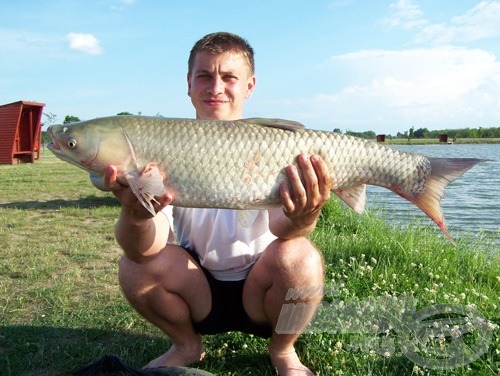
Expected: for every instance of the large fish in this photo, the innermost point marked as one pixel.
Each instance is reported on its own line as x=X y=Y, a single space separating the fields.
x=240 y=164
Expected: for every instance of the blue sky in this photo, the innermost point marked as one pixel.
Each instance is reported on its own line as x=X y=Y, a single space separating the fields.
x=349 y=64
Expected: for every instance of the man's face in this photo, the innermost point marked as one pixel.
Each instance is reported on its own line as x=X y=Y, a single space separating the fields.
x=219 y=84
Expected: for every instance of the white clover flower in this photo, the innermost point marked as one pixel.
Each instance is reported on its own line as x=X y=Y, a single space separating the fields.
x=455 y=332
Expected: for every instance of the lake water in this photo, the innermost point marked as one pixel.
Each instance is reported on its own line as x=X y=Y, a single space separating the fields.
x=471 y=204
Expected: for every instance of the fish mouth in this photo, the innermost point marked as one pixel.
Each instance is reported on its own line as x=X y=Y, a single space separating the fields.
x=52 y=144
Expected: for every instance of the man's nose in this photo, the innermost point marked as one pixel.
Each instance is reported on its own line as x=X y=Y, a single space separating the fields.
x=216 y=86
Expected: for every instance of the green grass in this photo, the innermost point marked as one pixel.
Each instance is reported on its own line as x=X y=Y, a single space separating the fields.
x=61 y=306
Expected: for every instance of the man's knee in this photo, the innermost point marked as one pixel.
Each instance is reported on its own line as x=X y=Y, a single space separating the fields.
x=133 y=278
x=299 y=256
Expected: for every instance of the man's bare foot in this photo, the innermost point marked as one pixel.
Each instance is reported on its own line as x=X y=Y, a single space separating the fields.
x=289 y=364
x=179 y=357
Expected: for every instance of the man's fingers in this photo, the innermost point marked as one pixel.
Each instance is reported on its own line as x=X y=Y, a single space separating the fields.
x=322 y=175
x=110 y=177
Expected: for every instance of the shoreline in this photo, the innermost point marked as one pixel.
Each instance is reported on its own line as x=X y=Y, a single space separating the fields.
x=429 y=141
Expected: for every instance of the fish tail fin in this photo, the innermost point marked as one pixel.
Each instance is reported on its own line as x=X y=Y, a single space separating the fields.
x=443 y=172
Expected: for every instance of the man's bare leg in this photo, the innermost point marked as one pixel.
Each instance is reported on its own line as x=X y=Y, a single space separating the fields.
x=291 y=264
x=170 y=291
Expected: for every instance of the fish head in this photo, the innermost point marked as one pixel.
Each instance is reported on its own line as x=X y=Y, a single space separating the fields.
x=93 y=145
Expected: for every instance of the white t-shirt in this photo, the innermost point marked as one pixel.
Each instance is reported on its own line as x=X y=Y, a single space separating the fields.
x=225 y=245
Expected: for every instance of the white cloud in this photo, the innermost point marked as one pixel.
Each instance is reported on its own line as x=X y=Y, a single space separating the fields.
x=392 y=90
x=86 y=43
x=122 y=4
x=427 y=77
x=480 y=22
x=404 y=14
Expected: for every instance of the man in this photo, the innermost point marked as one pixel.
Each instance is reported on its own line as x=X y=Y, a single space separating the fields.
x=223 y=276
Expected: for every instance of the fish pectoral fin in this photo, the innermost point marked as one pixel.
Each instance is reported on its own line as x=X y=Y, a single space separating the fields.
x=288 y=125
x=354 y=197
x=146 y=186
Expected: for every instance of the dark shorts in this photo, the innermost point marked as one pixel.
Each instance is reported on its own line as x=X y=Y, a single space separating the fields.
x=227 y=313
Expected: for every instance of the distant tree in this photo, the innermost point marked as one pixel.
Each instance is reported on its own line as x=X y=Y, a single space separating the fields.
x=366 y=134
x=50 y=118
x=71 y=119
x=421 y=133
x=124 y=113
x=337 y=130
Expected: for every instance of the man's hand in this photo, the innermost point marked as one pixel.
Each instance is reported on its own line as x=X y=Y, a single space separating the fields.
x=308 y=189
x=127 y=198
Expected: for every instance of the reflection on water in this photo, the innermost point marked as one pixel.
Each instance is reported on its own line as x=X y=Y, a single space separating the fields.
x=471 y=204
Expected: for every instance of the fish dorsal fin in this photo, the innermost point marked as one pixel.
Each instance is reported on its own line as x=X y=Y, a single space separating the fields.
x=288 y=125
x=354 y=197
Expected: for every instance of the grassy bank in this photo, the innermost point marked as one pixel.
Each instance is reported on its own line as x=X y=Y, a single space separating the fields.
x=61 y=306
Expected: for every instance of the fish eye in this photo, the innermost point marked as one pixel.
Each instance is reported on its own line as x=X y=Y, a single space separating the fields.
x=65 y=130
x=72 y=143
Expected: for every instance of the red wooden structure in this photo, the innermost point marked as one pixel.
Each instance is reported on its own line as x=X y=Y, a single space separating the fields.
x=20 y=132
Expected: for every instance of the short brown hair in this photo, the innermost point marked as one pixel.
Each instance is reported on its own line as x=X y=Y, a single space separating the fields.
x=219 y=42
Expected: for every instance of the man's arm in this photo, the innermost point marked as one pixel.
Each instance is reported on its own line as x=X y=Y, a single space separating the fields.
x=140 y=235
x=302 y=199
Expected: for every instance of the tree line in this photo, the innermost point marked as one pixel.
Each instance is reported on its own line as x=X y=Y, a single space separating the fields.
x=412 y=133
x=421 y=133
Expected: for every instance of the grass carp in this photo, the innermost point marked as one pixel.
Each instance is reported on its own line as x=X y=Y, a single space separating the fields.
x=240 y=164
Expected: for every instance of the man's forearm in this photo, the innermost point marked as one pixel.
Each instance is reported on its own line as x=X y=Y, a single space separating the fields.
x=141 y=239
x=284 y=228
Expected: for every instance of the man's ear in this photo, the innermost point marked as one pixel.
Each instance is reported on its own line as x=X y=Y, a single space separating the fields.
x=189 y=84
x=250 y=86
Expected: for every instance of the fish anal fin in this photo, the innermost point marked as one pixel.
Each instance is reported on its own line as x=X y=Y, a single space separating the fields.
x=354 y=197
x=146 y=185
x=288 y=125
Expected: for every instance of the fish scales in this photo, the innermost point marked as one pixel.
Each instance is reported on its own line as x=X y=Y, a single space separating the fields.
x=240 y=164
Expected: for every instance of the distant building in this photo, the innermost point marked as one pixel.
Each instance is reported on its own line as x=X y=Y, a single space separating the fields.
x=443 y=138
x=20 y=132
